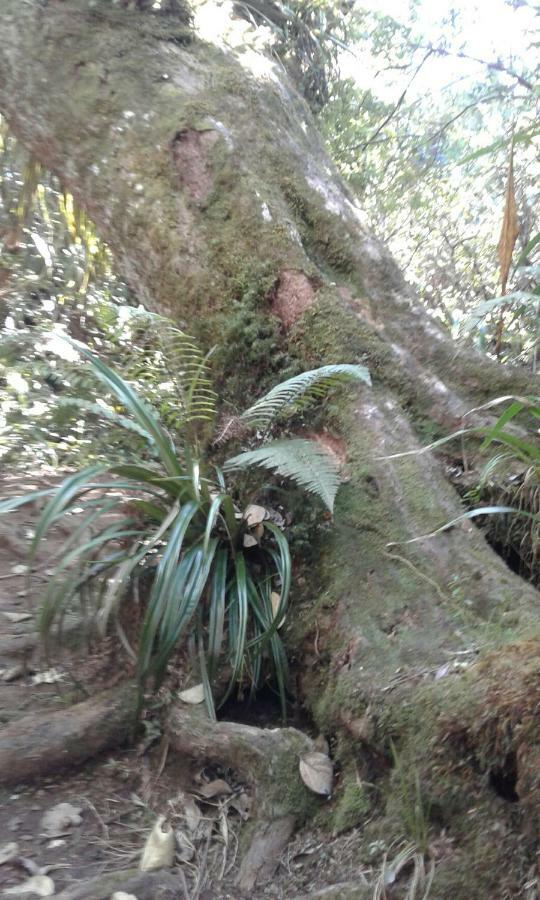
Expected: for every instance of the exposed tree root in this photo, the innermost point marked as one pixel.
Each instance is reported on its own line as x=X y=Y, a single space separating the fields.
x=143 y=885
x=41 y=744
x=346 y=890
x=28 y=644
x=267 y=759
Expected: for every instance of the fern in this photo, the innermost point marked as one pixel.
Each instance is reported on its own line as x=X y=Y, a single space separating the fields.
x=300 y=390
x=176 y=355
x=189 y=371
x=300 y=460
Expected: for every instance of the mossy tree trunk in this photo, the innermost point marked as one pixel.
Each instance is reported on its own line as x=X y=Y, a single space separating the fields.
x=207 y=177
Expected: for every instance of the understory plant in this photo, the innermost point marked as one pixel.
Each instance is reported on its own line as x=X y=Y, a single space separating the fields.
x=510 y=448
x=219 y=570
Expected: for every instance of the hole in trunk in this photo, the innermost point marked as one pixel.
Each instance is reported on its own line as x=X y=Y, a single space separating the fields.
x=514 y=538
x=503 y=780
x=264 y=710
x=511 y=557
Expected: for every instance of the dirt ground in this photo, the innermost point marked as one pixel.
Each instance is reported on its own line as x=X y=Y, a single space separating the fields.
x=118 y=797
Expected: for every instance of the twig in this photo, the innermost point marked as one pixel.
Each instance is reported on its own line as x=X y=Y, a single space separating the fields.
x=102 y=824
x=415 y=569
x=163 y=758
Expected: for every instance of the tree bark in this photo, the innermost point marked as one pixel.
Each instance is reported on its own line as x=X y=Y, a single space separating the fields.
x=268 y=760
x=206 y=175
x=42 y=744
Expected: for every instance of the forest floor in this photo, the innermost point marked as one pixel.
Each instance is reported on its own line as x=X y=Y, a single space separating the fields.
x=94 y=846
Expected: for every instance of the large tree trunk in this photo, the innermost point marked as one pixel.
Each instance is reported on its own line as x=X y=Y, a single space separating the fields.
x=207 y=177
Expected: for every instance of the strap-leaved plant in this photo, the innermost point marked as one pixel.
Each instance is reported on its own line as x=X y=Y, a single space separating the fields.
x=218 y=573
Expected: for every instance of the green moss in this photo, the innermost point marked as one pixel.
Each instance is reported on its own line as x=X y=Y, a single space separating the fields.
x=322 y=232
x=352 y=806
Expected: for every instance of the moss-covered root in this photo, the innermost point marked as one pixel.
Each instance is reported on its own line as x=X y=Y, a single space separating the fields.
x=268 y=760
x=41 y=744
x=460 y=778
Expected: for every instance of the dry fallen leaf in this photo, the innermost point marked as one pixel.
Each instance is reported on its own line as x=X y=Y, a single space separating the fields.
x=275 y=600
x=158 y=851
x=254 y=514
x=41 y=885
x=507 y=242
x=509 y=229
x=185 y=851
x=321 y=744
x=8 y=852
x=193 y=694
x=215 y=789
x=17 y=617
x=13 y=673
x=192 y=813
x=242 y=804
x=317 y=773
x=49 y=676
x=60 y=818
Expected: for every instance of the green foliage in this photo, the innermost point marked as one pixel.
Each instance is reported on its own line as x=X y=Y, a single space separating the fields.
x=420 y=879
x=516 y=311
x=413 y=808
x=55 y=276
x=507 y=483
x=215 y=572
x=421 y=132
x=299 y=391
x=308 y=37
x=300 y=460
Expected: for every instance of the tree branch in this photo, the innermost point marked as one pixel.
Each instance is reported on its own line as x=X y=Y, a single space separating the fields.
x=497 y=66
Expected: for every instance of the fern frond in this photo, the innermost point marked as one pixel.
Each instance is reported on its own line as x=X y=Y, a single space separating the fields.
x=181 y=361
x=300 y=391
x=300 y=460
x=189 y=370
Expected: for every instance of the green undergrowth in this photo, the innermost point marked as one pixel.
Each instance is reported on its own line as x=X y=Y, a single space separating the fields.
x=456 y=776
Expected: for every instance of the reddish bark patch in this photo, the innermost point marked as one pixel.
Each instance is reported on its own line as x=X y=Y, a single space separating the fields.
x=333 y=445
x=190 y=152
x=293 y=293
x=361 y=306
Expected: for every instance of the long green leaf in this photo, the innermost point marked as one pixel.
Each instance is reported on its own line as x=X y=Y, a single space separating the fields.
x=526 y=451
x=525 y=135
x=113 y=532
x=527 y=250
x=65 y=493
x=216 y=618
x=160 y=595
x=203 y=666
x=189 y=596
x=471 y=514
x=140 y=411
x=238 y=618
x=489 y=306
x=105 y=413
x=261 y=605
x=506 y=416
x=461 y=432
x=124 y=572
x=8 y=505
x=141 y=474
